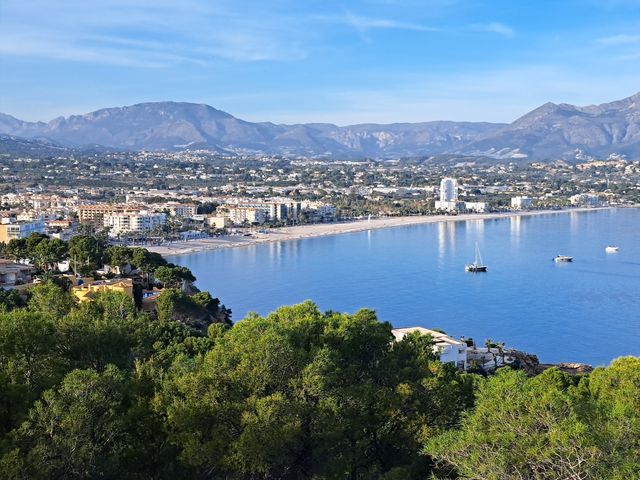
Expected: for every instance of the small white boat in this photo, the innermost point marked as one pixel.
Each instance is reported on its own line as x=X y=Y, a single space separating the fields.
x=477 y=265
x=562 y=259
x=611 y=249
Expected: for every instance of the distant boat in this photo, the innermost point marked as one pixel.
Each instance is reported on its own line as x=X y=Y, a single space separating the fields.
x=477 y=265
x=611 y=249
x=562 y=259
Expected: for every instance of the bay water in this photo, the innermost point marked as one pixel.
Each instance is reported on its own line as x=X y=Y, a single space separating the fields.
x=584 y=311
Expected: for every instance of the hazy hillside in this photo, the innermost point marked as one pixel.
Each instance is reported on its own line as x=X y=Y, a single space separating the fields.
x=174 y=126
x=546 y=133
x=554 y=131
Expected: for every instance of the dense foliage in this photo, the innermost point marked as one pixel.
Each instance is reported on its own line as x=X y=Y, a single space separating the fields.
x=100 y=390
x=551 y=427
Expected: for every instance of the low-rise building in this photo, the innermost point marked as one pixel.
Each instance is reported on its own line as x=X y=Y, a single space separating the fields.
x=29 y=216
x=59 y=224
x=86 y=291
x=448 y=348
x=477 y=207
x=450 y=206
x=12 y=273
x=218 y=221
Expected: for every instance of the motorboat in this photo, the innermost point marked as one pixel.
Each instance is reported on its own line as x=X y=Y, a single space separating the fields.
x=477 y=265
x=611 y=249
x=562 y=259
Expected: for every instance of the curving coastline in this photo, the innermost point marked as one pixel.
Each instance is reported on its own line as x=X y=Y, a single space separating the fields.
x=324 y=229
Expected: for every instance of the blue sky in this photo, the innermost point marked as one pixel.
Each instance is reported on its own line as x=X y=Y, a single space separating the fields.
x=311 y=60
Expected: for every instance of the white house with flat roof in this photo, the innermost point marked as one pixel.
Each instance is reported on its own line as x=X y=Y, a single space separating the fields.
x=448 y=348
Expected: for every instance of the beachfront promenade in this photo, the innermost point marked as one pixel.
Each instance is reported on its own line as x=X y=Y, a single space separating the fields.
x=323 y=229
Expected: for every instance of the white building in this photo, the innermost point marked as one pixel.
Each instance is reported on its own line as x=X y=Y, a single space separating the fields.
x=240 y=215
x=521 y=203
x=274 y=210
x=218 y=221
x=586 y=199
x=11 y=229
x=449 y=190
x=29 y=216
x=450 y=206
x=316 y=211
x=477 y=207
x=12 y=273
x=186 y=210
x=449 y=196
x=122 y=223
x=448 y=348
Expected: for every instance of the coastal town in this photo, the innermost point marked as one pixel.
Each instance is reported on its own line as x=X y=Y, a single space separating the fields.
x=284 y=240
x=166 y=199
x=180 y=203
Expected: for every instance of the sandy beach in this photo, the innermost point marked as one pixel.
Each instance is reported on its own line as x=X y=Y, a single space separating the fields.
x=337 y=228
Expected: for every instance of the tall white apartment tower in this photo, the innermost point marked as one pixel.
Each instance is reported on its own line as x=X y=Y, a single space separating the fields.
x=448 y=190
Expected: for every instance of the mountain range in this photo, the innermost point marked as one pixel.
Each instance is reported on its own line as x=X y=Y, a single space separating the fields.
x=550 y=132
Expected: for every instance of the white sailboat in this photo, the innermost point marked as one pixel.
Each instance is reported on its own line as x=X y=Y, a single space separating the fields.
x=477 y=265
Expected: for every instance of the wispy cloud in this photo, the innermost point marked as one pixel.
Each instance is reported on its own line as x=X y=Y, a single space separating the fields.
x=97 y=50
x=161 y=33
x=363 y=23
x=147 y=34
x=494 y=27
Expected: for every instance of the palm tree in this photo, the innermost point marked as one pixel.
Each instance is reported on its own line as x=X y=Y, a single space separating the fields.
x=500 y=346
x=489 y=343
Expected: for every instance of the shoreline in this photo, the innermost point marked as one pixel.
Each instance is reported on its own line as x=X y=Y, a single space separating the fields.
x=302 y=232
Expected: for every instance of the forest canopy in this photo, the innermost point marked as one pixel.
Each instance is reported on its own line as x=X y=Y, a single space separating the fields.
x=101 y=390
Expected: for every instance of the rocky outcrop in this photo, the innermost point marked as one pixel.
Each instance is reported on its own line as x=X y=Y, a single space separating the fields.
x=570 y=368
x=530 y=364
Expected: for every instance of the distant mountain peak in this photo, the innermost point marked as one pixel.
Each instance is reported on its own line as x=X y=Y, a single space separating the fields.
x=551 y=131
x=556 y=131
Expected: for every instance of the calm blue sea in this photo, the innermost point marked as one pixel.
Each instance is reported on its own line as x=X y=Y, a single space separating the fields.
x=585 y=311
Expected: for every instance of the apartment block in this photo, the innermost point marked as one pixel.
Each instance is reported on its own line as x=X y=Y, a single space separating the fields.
x=141 y=221
x=11 y=229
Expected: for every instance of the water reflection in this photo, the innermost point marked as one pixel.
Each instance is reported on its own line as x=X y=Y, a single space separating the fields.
x=476 y=226
x=515 y=228
x=446 y=237
x=573 y=218
x=415 y=276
